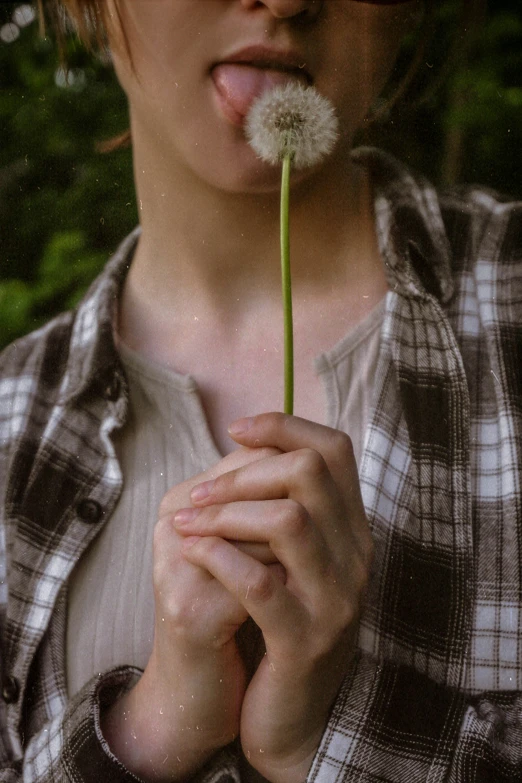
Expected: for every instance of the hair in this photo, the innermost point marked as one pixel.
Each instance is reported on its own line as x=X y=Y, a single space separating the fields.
x=92 y=24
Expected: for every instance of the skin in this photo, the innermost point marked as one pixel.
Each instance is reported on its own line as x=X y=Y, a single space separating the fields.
x=207 y=205
x=289 y=496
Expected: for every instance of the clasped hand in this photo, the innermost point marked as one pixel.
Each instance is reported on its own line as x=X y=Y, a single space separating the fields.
x=279 y=534
x=305 y=504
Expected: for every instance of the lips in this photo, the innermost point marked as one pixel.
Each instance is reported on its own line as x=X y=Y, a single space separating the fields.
x=243 y=77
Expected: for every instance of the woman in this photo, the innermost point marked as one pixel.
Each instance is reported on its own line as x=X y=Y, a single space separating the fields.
x=128 y=652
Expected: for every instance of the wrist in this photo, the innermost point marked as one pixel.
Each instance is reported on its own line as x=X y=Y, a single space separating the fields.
x=286 y=773
x=284 y=767
x=158 y=735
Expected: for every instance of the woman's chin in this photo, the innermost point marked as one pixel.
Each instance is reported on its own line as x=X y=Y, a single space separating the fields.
x=240 y=173
x=239 y=170
x=263 y=181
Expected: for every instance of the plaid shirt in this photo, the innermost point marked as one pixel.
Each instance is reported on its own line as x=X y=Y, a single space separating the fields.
x=435 y=690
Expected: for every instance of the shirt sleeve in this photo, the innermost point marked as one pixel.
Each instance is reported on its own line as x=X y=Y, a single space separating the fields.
x=391 y=724
x=72 y=747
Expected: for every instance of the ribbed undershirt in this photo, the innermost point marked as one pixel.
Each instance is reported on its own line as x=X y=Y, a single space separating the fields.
x=165 y=441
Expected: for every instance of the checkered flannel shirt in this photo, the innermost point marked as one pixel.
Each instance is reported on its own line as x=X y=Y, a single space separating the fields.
x=434 y=692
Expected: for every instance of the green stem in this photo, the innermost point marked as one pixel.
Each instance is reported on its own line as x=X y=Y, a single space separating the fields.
x=287 y=287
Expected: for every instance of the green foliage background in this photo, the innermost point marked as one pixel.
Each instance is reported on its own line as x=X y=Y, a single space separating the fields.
x=64 y=207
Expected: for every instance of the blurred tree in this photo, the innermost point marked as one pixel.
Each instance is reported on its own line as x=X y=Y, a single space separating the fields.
x=464 y=124
x=64 y=207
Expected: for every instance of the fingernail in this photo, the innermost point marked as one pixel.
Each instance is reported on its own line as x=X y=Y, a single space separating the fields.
x=185 y=515
x=240 y=426
x=201 y=491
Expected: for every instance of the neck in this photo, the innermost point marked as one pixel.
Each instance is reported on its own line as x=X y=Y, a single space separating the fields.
x=205 y=251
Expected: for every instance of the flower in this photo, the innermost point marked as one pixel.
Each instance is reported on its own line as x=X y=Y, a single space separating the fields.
x=292 y=120
x=295 y=126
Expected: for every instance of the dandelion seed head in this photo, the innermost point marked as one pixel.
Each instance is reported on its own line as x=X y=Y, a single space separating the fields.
x=292 y=119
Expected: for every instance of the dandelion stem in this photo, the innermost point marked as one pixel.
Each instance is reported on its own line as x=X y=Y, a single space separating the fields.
x=294 y=125
x=287 y=287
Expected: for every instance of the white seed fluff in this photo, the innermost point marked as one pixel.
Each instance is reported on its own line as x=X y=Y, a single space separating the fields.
x=292 y=119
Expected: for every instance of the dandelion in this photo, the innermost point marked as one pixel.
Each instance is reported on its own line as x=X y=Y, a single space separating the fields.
x=296 y=126
x=292 y=120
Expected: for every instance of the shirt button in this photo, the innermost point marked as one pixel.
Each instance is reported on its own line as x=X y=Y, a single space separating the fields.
x=89 y=511
x=113 y=389
x=10 y=689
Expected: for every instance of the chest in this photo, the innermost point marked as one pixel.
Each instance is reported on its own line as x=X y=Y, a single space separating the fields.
x=246 y=391
x=244 y=377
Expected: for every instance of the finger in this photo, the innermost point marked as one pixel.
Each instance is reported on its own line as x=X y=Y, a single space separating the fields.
x=188 y=596
x=290 y=433
x=302 y=476
x=292 y=537
x=279 y=572
x=183 y=522
x=258 y=588
x=242 y=456
x=298 y=474
x=236 y=459
x=260 y=552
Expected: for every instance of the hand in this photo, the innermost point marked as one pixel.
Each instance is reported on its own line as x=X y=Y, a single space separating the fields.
x=305 y=503
x=187 y=703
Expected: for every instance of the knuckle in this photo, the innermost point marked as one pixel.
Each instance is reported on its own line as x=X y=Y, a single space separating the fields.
x=209 y=517
x=260 y=584
x=225 y=483
x=208 y=546
x=342 y=446
x=310 y=462
x=222 y=484
x=175 y=612
x=186 y=618
x=294 y=519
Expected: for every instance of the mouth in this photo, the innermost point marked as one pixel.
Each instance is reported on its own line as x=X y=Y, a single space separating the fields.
x=272 y=59
x=242 y=77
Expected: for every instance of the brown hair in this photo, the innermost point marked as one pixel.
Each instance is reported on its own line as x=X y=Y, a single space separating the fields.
x=90 y=20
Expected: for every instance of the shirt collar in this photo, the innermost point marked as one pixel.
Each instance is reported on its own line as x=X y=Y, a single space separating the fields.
x=412 y=240
x=410 y=229
x=93 y=358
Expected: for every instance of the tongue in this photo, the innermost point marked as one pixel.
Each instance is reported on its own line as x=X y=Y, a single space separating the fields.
x=239 y=84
